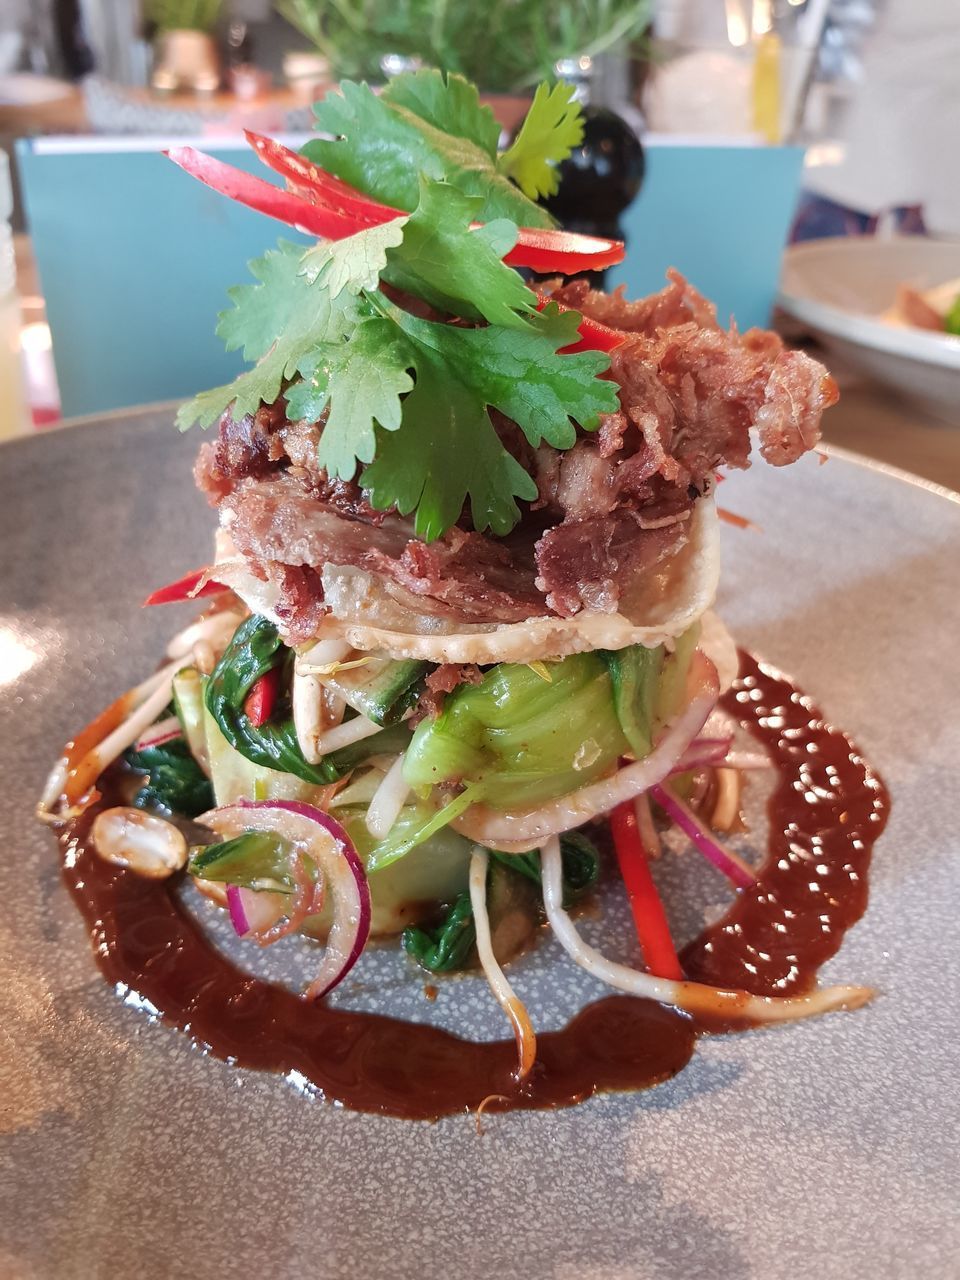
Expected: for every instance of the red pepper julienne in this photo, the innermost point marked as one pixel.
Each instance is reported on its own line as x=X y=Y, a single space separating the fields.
x=317 y=186
x=659 y=953
x=186 y=588
x=261 y=701
x=323 y=205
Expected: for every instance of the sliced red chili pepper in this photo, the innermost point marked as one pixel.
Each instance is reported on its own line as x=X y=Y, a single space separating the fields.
x=659 y=953
x=545 y=251
x=186 y=588
x=316 y=185
x=594 y=336
x=259 y=704
x=565 y=253
x=534 y=248
x=317 y=220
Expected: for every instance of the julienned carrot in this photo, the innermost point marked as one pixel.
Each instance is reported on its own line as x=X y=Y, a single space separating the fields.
x=659 y=953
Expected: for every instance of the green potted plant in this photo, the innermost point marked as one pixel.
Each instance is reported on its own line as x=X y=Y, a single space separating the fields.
x=186 y=52
x=505 y=46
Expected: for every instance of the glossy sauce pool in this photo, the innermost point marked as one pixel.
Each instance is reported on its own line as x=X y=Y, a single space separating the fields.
x=826 y=812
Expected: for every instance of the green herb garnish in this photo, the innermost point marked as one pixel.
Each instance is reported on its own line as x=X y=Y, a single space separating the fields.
x=254 y=650
x=405 y=402
x=552 y=128
x=176 y=782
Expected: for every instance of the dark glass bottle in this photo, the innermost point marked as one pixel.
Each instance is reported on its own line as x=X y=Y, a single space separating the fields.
x=600 y=179
x=75 y=52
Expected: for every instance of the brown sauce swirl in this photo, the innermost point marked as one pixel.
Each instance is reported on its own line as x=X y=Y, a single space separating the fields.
x=828 y=809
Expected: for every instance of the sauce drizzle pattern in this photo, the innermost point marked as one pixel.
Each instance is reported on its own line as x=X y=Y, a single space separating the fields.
x=828 y=809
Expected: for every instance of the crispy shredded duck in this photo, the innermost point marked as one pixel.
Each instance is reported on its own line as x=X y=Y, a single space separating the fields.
x=608 y=509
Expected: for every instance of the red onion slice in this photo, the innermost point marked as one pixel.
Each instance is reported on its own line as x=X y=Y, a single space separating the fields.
x=703 y=753
x=313 y=834
x=236 y=907
x=163 y=731
x=253 y=912
x=724 y=859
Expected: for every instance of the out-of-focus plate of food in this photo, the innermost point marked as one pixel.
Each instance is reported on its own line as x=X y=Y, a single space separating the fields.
x=887 y=307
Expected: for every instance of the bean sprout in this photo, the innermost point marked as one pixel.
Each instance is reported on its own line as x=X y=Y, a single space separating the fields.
x=507 y=998
x=387 y=801
x=692 y=997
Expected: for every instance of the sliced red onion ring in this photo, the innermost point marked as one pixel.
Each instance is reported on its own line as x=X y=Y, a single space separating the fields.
x=159 y=733
x=724 y=859
x=316 y=835
x=252 y=912
x=237 y=908
x=704 y=753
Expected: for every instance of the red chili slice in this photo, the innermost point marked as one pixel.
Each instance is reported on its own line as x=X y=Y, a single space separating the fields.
x=186 y=588
x=316 y=185
x=594 y=336
x=534 y=248
x=659 y=953
x=565 y=253
x=244 y=188
x=329 y=215
x=260 y=702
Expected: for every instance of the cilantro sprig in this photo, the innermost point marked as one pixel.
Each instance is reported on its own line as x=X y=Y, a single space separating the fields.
x=281 y=321
x=552 y=128
x=447 y=451
x=425 y=124
x=405 y=402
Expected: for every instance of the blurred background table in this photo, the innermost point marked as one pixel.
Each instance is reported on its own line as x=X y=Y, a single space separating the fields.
x=680 y=72
x=872 y=422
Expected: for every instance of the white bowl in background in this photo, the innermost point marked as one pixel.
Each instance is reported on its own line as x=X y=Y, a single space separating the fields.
x=839 y=288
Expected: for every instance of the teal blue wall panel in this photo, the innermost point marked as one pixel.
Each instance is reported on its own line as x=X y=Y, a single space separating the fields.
x=135 y=257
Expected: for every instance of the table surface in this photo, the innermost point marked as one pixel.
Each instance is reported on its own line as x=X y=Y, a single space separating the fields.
x=872 y=421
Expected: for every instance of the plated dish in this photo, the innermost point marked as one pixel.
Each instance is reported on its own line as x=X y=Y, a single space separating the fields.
x=458 y=635
x=937 y=310
x=845 y=293
x=107 y=1105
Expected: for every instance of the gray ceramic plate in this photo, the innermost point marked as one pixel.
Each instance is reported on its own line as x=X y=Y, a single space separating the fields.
x=823 y=1149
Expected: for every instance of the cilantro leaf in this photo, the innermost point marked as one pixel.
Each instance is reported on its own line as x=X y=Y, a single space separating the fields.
x=455 y=269
x=445 y=452
x=284 y=317
x=355 y=263
x=552 y=128
x=522 y=374
x=261 y=311
x=448 y=102
x=382 y=147
x=365 y=378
